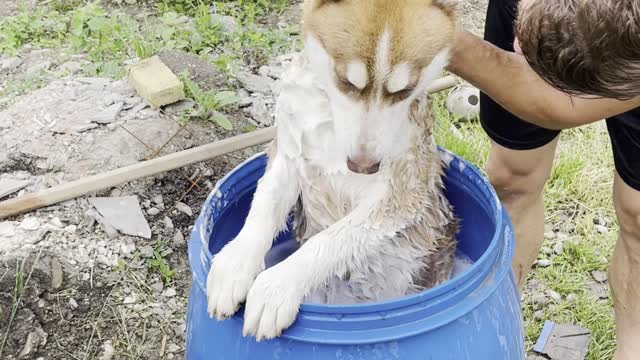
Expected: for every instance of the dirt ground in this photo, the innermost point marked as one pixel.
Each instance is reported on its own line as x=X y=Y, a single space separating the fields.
x=72 y=285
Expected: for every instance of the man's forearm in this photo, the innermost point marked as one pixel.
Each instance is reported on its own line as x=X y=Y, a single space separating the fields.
x=510 y=81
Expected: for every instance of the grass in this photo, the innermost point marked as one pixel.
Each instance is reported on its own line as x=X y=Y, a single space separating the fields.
x=579 y=189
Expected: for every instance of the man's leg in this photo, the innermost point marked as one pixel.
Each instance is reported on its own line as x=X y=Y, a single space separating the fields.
x=521 y=154
x=624 y=272
x=519 y=177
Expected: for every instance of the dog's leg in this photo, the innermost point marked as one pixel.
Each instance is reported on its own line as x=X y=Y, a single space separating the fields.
x=235 y=267
x=275 y=297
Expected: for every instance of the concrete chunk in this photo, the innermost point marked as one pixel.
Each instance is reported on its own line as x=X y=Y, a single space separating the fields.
x=155 y=82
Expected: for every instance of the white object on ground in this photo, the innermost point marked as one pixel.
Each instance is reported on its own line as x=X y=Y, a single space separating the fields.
x=464 y=101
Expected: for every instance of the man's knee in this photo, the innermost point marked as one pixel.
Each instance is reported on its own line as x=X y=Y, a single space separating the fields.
x=517 y=181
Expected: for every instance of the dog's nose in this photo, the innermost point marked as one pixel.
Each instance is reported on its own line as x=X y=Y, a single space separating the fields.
x=363 y=165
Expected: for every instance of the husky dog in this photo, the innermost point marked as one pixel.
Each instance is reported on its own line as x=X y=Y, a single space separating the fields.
x=355 y=159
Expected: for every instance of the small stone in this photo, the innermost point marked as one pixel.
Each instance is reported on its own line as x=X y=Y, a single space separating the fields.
x=157 y=286
x=153 y=211
x=244 y=98
x=158 y=200
x=538 y=299
x=146 y=251
x=7 y=229
x=30 y=224
x=255 y=83
x=108 y=115
x=169 y=292
x=57 y=275
x=124 y=214
x=107 y=351
x=31 y=345
x=146 y=203
x=572 y=298
x=259 y=112
x=167 y=222
x=128 y=300
x=603 y=260
x=172 y=348
x=601 y=229
x=549 y=235
x=41 y=303
x=73 y=304
x=600 y=276
x=538 y=315
x=178 y=238
x=553 y=296
x=56 y=222
x=558 y=248
x=9 y=186
x=562 y=236
x=71 y=229
x=184 y=208
x=543 y=263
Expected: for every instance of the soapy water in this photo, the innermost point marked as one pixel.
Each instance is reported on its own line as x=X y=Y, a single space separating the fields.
x=461 y=263
x=281 y=251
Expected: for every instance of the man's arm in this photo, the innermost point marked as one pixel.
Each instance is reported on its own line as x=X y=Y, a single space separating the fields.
x=509 y=80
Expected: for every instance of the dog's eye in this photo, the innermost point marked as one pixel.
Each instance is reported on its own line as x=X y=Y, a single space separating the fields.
x=347 y=86
x=401 y=94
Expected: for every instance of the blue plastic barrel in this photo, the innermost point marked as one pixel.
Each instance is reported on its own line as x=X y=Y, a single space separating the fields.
x=476 y=315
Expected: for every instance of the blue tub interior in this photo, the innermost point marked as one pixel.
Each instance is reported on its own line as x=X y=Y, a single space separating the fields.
x=476 y=233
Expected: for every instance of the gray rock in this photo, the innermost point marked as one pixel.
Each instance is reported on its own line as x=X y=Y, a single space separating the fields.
x=153 y=211
x=550 y=235
x=107 y=351
x=572 y=298
x=558 y=248
x=543 y=263
x=603 y=260
x=71 y=229
x=7 y=229
x=108 y=115
x=553 y=296
x=30 y=224
x=179 y=107
x=601 y=229
x=57 y=274
x=184 y=208
x=173 y=348
x=124 y=214
x=259 y=112
x=538 y=315
x=157 y=286
x=255 y=83
x=73 y=304
x=56 y=222
x=600 y=276
x=158 y=200
x=244 y=98
x=9 y=186
x=169 y=292
x=146 y=251
x=35 y=339
x=178 y=238
x=167 y=222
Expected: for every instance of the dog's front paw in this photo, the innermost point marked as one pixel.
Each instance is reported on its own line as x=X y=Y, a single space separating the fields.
x=272 y=304
x=232 y=272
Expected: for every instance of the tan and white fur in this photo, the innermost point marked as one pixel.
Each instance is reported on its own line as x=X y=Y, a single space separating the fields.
x=354 y=157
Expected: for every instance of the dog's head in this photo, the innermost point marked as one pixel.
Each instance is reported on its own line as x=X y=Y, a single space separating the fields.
x=375 y=58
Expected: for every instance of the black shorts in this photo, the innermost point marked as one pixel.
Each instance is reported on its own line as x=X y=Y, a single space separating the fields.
x=513 y=133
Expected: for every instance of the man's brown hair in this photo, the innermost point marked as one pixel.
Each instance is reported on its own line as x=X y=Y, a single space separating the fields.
x=584 y=47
